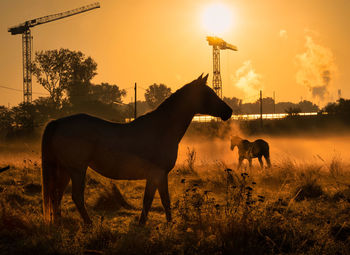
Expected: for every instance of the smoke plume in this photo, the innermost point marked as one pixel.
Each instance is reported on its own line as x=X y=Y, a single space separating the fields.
x=247 y=79
x=316 y=69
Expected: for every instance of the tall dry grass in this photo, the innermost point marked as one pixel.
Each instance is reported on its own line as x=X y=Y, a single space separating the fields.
x=292 y=208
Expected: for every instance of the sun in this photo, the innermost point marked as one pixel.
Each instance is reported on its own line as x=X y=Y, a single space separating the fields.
x=216 y=18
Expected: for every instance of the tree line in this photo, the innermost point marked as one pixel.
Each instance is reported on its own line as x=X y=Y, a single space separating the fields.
x=66 y=75
x=269 y=106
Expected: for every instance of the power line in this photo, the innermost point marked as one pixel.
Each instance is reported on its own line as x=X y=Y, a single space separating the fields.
x=139 y=87
x=10 y=88
x=19 y=90
x=46 y=94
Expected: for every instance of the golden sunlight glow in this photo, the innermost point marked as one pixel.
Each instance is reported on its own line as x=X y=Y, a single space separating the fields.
x=216 y=18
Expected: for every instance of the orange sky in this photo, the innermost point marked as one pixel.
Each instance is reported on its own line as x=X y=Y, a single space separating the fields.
x=163 y=41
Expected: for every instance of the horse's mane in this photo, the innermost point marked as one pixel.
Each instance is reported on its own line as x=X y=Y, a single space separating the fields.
x=173 y=99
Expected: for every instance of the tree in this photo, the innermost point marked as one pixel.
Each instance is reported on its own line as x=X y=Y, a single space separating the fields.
x=142 y=108
x=47 y=108
x=282 y=106
x=234 y=103
x=251 y=108
x=5 y=122
x=340 y=108
x=156 y=94
x=307 y=106
x=60 y=70
x=107 y=93
x=26 y=118
x=293 y=111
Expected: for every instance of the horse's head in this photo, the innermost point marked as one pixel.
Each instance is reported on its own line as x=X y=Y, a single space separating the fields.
x=207 y=102
x=235 y=140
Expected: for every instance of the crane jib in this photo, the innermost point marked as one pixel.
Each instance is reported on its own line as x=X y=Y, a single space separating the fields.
x=24 y=29
x=21 y=28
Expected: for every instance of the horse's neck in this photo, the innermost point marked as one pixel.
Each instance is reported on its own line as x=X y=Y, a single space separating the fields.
x=174 y=120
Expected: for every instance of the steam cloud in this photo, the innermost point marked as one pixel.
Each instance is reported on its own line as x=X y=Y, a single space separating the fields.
x=283 y=34
x=247 y=79
x=316 y=69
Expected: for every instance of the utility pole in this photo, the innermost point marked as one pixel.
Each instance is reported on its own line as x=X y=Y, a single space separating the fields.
x=261 y=119
x=339 y=94
x=274 y=103
x=135 y=112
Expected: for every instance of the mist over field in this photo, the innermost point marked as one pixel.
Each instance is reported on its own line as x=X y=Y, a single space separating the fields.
x=317 y=148
x=300 y=204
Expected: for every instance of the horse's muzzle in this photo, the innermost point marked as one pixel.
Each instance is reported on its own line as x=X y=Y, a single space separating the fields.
x=227 y=114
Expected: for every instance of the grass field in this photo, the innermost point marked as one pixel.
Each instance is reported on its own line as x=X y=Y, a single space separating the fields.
x=299 y=206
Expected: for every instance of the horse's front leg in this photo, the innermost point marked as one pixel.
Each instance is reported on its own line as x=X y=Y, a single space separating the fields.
x=147 y=199
x=240 y=160
x=261 y=162
x=164 y=196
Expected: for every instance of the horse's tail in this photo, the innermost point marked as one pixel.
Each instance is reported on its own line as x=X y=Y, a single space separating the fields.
x=49 y=171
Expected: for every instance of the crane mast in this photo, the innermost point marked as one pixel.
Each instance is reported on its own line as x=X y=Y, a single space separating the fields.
x=24 y=29
x=218 y=44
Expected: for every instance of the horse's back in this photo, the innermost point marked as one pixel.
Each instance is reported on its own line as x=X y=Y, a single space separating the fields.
x=244 y=144
x=261 y=143
x=81 y=127
x=260 y=148
x=74 y=137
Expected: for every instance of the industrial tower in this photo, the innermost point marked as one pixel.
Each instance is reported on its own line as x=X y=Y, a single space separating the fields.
x=24 y=29
x=218 y=44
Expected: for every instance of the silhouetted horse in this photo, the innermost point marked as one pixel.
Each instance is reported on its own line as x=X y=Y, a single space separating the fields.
x=248 y=150
x=145 y=148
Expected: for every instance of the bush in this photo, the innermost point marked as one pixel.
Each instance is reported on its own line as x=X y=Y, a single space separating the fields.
x=307 y=185
x=111 y=200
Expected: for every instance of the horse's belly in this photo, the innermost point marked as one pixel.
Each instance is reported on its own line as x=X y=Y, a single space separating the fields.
x=122 y=166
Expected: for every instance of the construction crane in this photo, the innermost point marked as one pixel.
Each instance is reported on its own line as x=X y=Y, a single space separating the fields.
x=24 y=29
x=218 y=44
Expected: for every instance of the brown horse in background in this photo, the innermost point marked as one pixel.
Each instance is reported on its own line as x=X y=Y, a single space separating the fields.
x=249 y=150
x=145 y=148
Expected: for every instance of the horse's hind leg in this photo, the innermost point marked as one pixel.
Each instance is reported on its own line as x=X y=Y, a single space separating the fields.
x=267 y=158
x=62 y=182
x=78 y=186
x=150 y=190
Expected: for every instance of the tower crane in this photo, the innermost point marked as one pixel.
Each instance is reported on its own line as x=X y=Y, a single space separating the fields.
x=24 y=29
x=218 y=44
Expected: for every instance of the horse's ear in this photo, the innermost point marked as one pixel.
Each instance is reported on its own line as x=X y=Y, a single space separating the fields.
x=200 y=77
x=205 y=79
x=202 y=80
